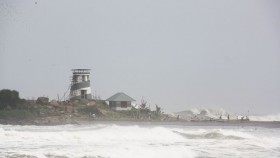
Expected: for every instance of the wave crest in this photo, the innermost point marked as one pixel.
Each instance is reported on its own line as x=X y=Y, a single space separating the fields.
x=209 y=135
x=265 y=118
x=207 y=114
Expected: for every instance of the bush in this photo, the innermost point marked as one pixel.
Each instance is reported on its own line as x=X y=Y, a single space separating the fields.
x=89 y=110
x=9 y=98
x=122 y=114
x=101 y=104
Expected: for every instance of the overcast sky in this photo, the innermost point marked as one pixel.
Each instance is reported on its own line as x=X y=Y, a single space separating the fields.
x=175 y=53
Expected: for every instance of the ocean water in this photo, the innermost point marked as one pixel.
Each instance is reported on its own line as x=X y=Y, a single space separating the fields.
x=133 y=141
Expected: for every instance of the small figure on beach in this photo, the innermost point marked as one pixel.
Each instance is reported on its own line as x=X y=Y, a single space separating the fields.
x=220 y=117
x=228 y=117
x=178 y=117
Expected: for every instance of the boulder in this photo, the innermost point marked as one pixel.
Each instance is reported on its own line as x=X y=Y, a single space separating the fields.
x=91 y=103
x=54 y=103
x=42 y=100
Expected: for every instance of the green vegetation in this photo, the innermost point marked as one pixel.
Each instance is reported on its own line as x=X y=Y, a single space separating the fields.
x=101 y=104
x=10 y=99
x=13 y=109
x=142 y=114
x=17 y=114
x=86 y=110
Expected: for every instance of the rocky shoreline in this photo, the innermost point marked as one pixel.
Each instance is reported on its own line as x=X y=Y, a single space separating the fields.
x=80 y=112
x=74 y=120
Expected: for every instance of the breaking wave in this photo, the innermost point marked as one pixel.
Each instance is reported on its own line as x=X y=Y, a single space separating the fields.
x=215 y=134
x=265 y=118
x=207 y=114
x=116 y=141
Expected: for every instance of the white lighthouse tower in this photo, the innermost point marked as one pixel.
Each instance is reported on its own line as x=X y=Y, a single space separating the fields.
x=80 y=85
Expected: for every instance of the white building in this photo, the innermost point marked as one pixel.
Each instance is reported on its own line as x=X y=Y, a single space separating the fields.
x=120 y=101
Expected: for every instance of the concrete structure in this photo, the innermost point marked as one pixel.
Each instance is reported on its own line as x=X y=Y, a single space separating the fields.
x=80 y=85
x=120 y=101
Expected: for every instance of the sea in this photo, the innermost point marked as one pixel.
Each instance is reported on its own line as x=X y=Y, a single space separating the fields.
x=141 y=140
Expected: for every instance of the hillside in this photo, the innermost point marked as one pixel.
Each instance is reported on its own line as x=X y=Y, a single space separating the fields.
x=15 y=110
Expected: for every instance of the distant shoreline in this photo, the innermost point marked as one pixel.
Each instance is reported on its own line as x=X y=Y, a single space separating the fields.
x=42 y=112
x=267 y=124
x=271 y=124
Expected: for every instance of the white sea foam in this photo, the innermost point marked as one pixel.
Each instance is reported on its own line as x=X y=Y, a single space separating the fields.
x=110 y=141
x=265 y=118
x=206 y=114
x=137 y=141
